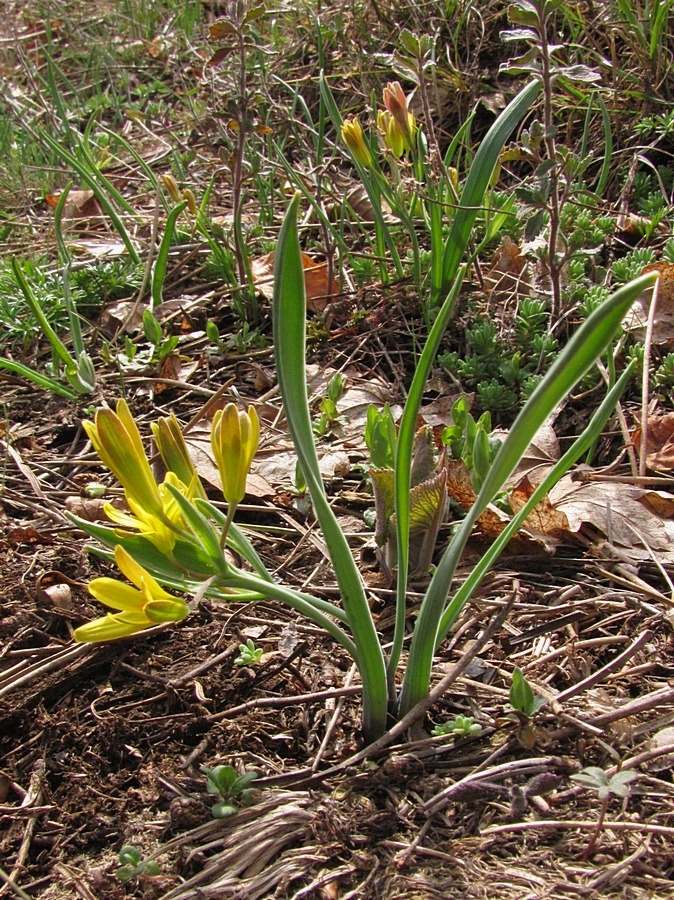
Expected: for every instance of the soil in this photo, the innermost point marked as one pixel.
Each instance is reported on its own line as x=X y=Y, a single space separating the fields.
x=107 y=746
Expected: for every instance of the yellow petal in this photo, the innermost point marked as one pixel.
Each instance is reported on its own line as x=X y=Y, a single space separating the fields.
x=111 y=627
x=166 y=610
x=139 y=576
x=116 y=594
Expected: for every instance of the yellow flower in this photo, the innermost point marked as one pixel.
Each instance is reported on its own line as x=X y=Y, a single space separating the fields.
x=234 y=439
x=172 y=187
x=352 y=135
x=116 y=439
x=141 y=606
x=392 y=136
x=396 y=105
x=161 y=531
x=173 y=450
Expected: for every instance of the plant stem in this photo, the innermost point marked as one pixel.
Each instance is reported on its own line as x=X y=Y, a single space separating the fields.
x=554 y=203
x=595 y=834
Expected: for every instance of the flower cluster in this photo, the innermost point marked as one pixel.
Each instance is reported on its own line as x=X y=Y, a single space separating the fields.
x=161 y=514
x=396 y=124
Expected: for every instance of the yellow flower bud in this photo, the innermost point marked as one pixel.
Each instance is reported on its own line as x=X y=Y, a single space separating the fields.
x=352 y=135
x=396 y=104
x=172 y=187
x=191 y=201
x=173 y=450
x=116 y=439
x=391 y=133
x=234 y=439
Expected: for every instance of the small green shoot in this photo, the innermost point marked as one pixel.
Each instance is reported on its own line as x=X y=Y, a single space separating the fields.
x=461 y=726
x=249 y=654
x=163 y=346
x=233 y=789
x=380 y=437
x=522 y=698
x=329 y=417
x=595 y=778
x=618 y=785
x=132 y=865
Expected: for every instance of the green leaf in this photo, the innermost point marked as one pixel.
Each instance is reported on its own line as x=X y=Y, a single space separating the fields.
x=42 y=381
x=410 y=42
x=219 y=779
x=161 y=264
x=380 y=437
x=584 y=347
x=477 y=183
x=519 y=34
x=580 y=73
x=151 y=328
x=289 y=321
x=201 y=528
x=521 y=694
x=129 y=855
x=255 y=12
x=242 y=783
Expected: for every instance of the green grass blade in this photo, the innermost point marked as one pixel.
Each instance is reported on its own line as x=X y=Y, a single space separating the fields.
x=42 y=381
x=289 y=321
x=586 y=345
x=160 y=266
x=607 y=145
x=477 y=183
x=99 y=185
x=580 y=446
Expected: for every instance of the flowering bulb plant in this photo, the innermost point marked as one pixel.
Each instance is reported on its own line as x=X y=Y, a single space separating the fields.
x=173 y=538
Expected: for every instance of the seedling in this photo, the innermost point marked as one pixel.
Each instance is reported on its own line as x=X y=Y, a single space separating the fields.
x=132 y=864
x=249 y=654
x=233 y=789
x=329 y=417
x=462 y=726
x=162 y=346
x=522 y=698
x=594 y=778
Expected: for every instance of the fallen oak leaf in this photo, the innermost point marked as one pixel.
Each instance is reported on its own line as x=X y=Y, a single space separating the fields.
x=316 y=285
x=659 y=442
x=616 y=510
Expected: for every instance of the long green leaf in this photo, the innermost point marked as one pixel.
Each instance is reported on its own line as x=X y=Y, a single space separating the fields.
x=580 y=446
x=56 y=343
x=289 y=321
x=160 y=266
x=586 y=345
x=477 y=183
x=43 y=381
x=403 y=467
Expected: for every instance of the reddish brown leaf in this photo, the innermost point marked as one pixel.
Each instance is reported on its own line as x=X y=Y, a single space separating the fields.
x=659 y=442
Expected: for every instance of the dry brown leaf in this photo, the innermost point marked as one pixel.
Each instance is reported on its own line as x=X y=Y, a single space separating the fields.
x=493 y=520
x=616 y=510
x=80 y=206
x=539 y=457
x=315 y=280
x=460 y=488
x=663 y=322
x=659 y=442
x=507 y=275
x=544 y=517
